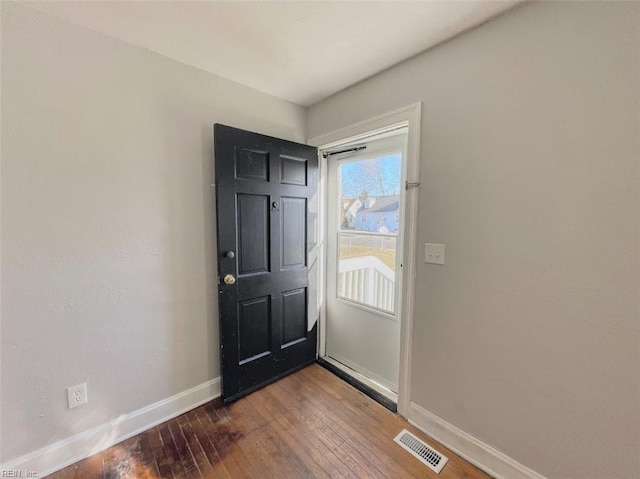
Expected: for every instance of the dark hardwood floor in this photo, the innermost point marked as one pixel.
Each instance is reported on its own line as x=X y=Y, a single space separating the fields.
x=309 y=424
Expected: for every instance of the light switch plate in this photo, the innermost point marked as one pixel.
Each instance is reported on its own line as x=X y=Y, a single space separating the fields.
x=434 y=253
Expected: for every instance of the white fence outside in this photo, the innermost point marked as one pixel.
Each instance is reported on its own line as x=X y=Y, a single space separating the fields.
x=380 y=241
x=367 y=280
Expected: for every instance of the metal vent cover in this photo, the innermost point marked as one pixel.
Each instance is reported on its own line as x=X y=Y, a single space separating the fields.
x=429 y=456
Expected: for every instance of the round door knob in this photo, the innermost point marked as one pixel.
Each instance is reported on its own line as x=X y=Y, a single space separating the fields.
x=229 y=279
x=230 y=254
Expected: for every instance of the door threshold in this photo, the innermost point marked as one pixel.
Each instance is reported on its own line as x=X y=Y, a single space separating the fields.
x=378 y=393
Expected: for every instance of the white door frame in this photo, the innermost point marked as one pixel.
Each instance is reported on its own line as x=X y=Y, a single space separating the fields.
x=409 y=116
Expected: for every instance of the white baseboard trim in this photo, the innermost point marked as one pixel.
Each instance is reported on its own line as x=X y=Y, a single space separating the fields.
x=485 y=457
x=61 y=454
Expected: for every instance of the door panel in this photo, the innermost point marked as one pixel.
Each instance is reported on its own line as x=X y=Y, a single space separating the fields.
x=254 y=241
x=294 y=171
x=263 y=189
x=254 y=328
x=365 y=207
x=294 y=237
x=294 y=327
x=252 y=164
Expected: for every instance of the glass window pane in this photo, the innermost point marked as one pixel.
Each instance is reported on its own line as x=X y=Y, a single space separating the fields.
x=369 y=221
x=370 y=194
x=366 y=270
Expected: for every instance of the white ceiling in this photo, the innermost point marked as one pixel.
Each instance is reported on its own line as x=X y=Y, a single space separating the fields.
x=299 y=51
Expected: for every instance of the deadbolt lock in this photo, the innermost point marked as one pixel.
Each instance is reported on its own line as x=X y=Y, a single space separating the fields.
x=229 y=279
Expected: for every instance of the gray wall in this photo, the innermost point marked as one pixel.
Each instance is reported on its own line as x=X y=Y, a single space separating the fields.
x=108 y=267
x=530 y=176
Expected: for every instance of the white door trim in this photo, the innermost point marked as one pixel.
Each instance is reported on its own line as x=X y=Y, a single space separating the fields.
x=410 y=115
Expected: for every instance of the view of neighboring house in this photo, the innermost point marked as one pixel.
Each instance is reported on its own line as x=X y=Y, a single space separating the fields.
x=378 y=214
x=350 y=207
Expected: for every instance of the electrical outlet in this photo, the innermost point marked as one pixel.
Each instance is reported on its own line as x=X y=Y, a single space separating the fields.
x=77 y=395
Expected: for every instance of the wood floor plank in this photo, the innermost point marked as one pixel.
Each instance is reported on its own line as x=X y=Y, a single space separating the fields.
x=302 y=439
x=376 y=417
x=235 y=433
x=148 y=457
x=226 y=436
x=333 y=443
x=310 y=424
x=350 y=421
x=90 y=467
x=189 y=449
x=205 y=454
x=273 y=459
x=163 y=461
x=361 y=434
x=351 y=429
x=177 y=469
x=225 y=465
x=225 y=446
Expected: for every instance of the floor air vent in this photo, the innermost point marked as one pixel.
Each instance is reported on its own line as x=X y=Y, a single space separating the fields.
x=433 y=459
